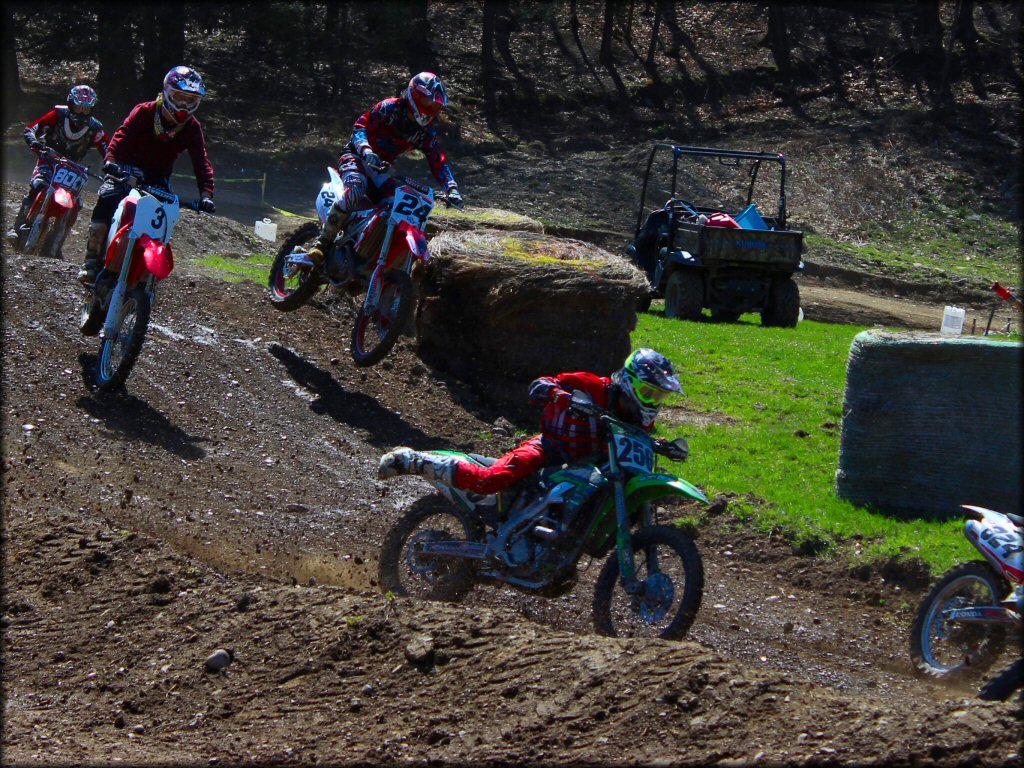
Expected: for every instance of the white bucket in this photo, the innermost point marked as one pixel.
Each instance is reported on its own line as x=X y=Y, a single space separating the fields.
x=267 y=230
x=952 y=321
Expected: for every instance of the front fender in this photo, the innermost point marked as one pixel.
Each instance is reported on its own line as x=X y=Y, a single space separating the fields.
x=157 y=255
x=639 y=491
x=414 y=241
x=643 y=488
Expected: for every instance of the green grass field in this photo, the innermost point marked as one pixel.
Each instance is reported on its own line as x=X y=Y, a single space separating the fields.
x=770 y=406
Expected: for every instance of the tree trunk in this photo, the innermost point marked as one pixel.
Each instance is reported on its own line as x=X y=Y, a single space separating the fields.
x=12 y=81
x=655 y=31
x=930 y=54
x=115 y=78
x=605 y=56
x=777 y=41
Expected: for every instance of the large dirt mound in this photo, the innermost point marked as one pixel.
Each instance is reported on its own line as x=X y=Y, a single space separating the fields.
x=228 y=499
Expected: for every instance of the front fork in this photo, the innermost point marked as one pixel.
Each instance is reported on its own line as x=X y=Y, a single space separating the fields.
x=37 y=224
x=376 y=286
x=112 y=322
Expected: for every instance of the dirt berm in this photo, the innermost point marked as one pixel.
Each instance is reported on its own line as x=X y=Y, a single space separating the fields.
x=228 y=500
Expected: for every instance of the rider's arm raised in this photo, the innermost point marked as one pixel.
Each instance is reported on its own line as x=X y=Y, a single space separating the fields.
x=32 y=131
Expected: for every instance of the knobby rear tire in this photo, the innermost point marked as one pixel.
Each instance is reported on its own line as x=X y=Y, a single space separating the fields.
x=281 y=298
x=989 y=639
x=452 y=579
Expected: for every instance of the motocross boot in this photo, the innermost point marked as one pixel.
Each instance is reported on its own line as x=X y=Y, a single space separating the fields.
x=20 y=219
x=336 y=221
x=91 y=265
x=406 y=461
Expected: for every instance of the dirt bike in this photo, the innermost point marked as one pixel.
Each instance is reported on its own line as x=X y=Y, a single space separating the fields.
x=961 y=625
x=137 y=256
x=532 y=535
x=366 y=258
x=54 y=210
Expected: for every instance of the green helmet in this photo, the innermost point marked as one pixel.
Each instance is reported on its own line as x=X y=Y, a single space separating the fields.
x=647 y=379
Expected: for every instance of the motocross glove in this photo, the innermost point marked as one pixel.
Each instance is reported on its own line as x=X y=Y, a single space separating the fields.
x=675 y=450
x=374 y=163
x=206 y=205
x=37 y=146
x=455 y=199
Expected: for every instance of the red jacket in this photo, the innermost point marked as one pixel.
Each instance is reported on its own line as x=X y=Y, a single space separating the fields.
x=137 y=143
x=565 y=435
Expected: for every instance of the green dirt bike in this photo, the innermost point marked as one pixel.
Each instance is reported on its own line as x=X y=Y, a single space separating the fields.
x=532 y=535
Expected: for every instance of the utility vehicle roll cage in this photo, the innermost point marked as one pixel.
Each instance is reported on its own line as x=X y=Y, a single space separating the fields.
x=728 y=157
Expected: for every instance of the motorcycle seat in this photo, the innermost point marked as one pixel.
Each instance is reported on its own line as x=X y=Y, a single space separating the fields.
x=484 y=461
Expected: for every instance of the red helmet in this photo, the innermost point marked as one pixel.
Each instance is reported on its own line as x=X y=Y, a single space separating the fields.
x=183 y=90
x=81 y=100
x=426 y=97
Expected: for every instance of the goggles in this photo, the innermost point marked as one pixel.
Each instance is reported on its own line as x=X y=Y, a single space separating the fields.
x=185 y=99
x=81 y=110
x=650 y=395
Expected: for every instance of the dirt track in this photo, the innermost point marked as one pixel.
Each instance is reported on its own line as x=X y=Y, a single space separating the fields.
x=228 y=500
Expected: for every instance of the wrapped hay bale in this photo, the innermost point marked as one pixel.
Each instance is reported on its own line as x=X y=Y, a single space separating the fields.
x=449 y=219
x=930 y=423
x=500 y=308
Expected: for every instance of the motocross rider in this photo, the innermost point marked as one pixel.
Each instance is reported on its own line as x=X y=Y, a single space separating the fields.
x=391 y=128
x=144 y=149
x=634 y=393
x=69 y=130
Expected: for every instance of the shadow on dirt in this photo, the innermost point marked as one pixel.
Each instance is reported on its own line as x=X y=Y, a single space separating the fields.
x=135 y=419
x=384 y=428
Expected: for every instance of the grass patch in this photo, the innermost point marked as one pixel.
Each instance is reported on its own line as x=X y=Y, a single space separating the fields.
x=933 y=243
x=780 y=394
x=237 y=269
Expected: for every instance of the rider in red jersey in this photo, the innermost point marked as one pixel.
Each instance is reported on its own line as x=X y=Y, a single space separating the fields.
x=388 y=130
x=635 y=393
x=69 y=130
x=144 y=148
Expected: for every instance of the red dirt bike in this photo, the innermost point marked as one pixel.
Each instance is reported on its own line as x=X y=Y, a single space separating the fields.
x=961 y=625
x=54 y=209
x=137 y=255
x=366 y=258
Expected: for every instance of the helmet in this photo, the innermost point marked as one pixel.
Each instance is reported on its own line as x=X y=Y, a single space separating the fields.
x=426 y=97
x=646 y=380
x=183 y=90
x=81 y=100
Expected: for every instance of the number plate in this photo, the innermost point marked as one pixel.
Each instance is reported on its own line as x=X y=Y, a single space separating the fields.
x=412 y=207
x=634 y=453
x=68 y=178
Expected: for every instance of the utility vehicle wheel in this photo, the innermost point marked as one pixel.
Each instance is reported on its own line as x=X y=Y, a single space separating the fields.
x=783 y=310
x=684 y=295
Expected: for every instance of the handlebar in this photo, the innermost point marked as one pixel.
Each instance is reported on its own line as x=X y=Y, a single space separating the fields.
x=676 y=450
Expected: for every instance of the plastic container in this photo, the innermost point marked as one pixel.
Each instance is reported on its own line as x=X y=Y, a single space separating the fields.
x=267 y=230
x=750 y=218
x=952 y=321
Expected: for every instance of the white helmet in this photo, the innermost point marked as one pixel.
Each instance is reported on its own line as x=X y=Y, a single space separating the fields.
x=183 y=90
